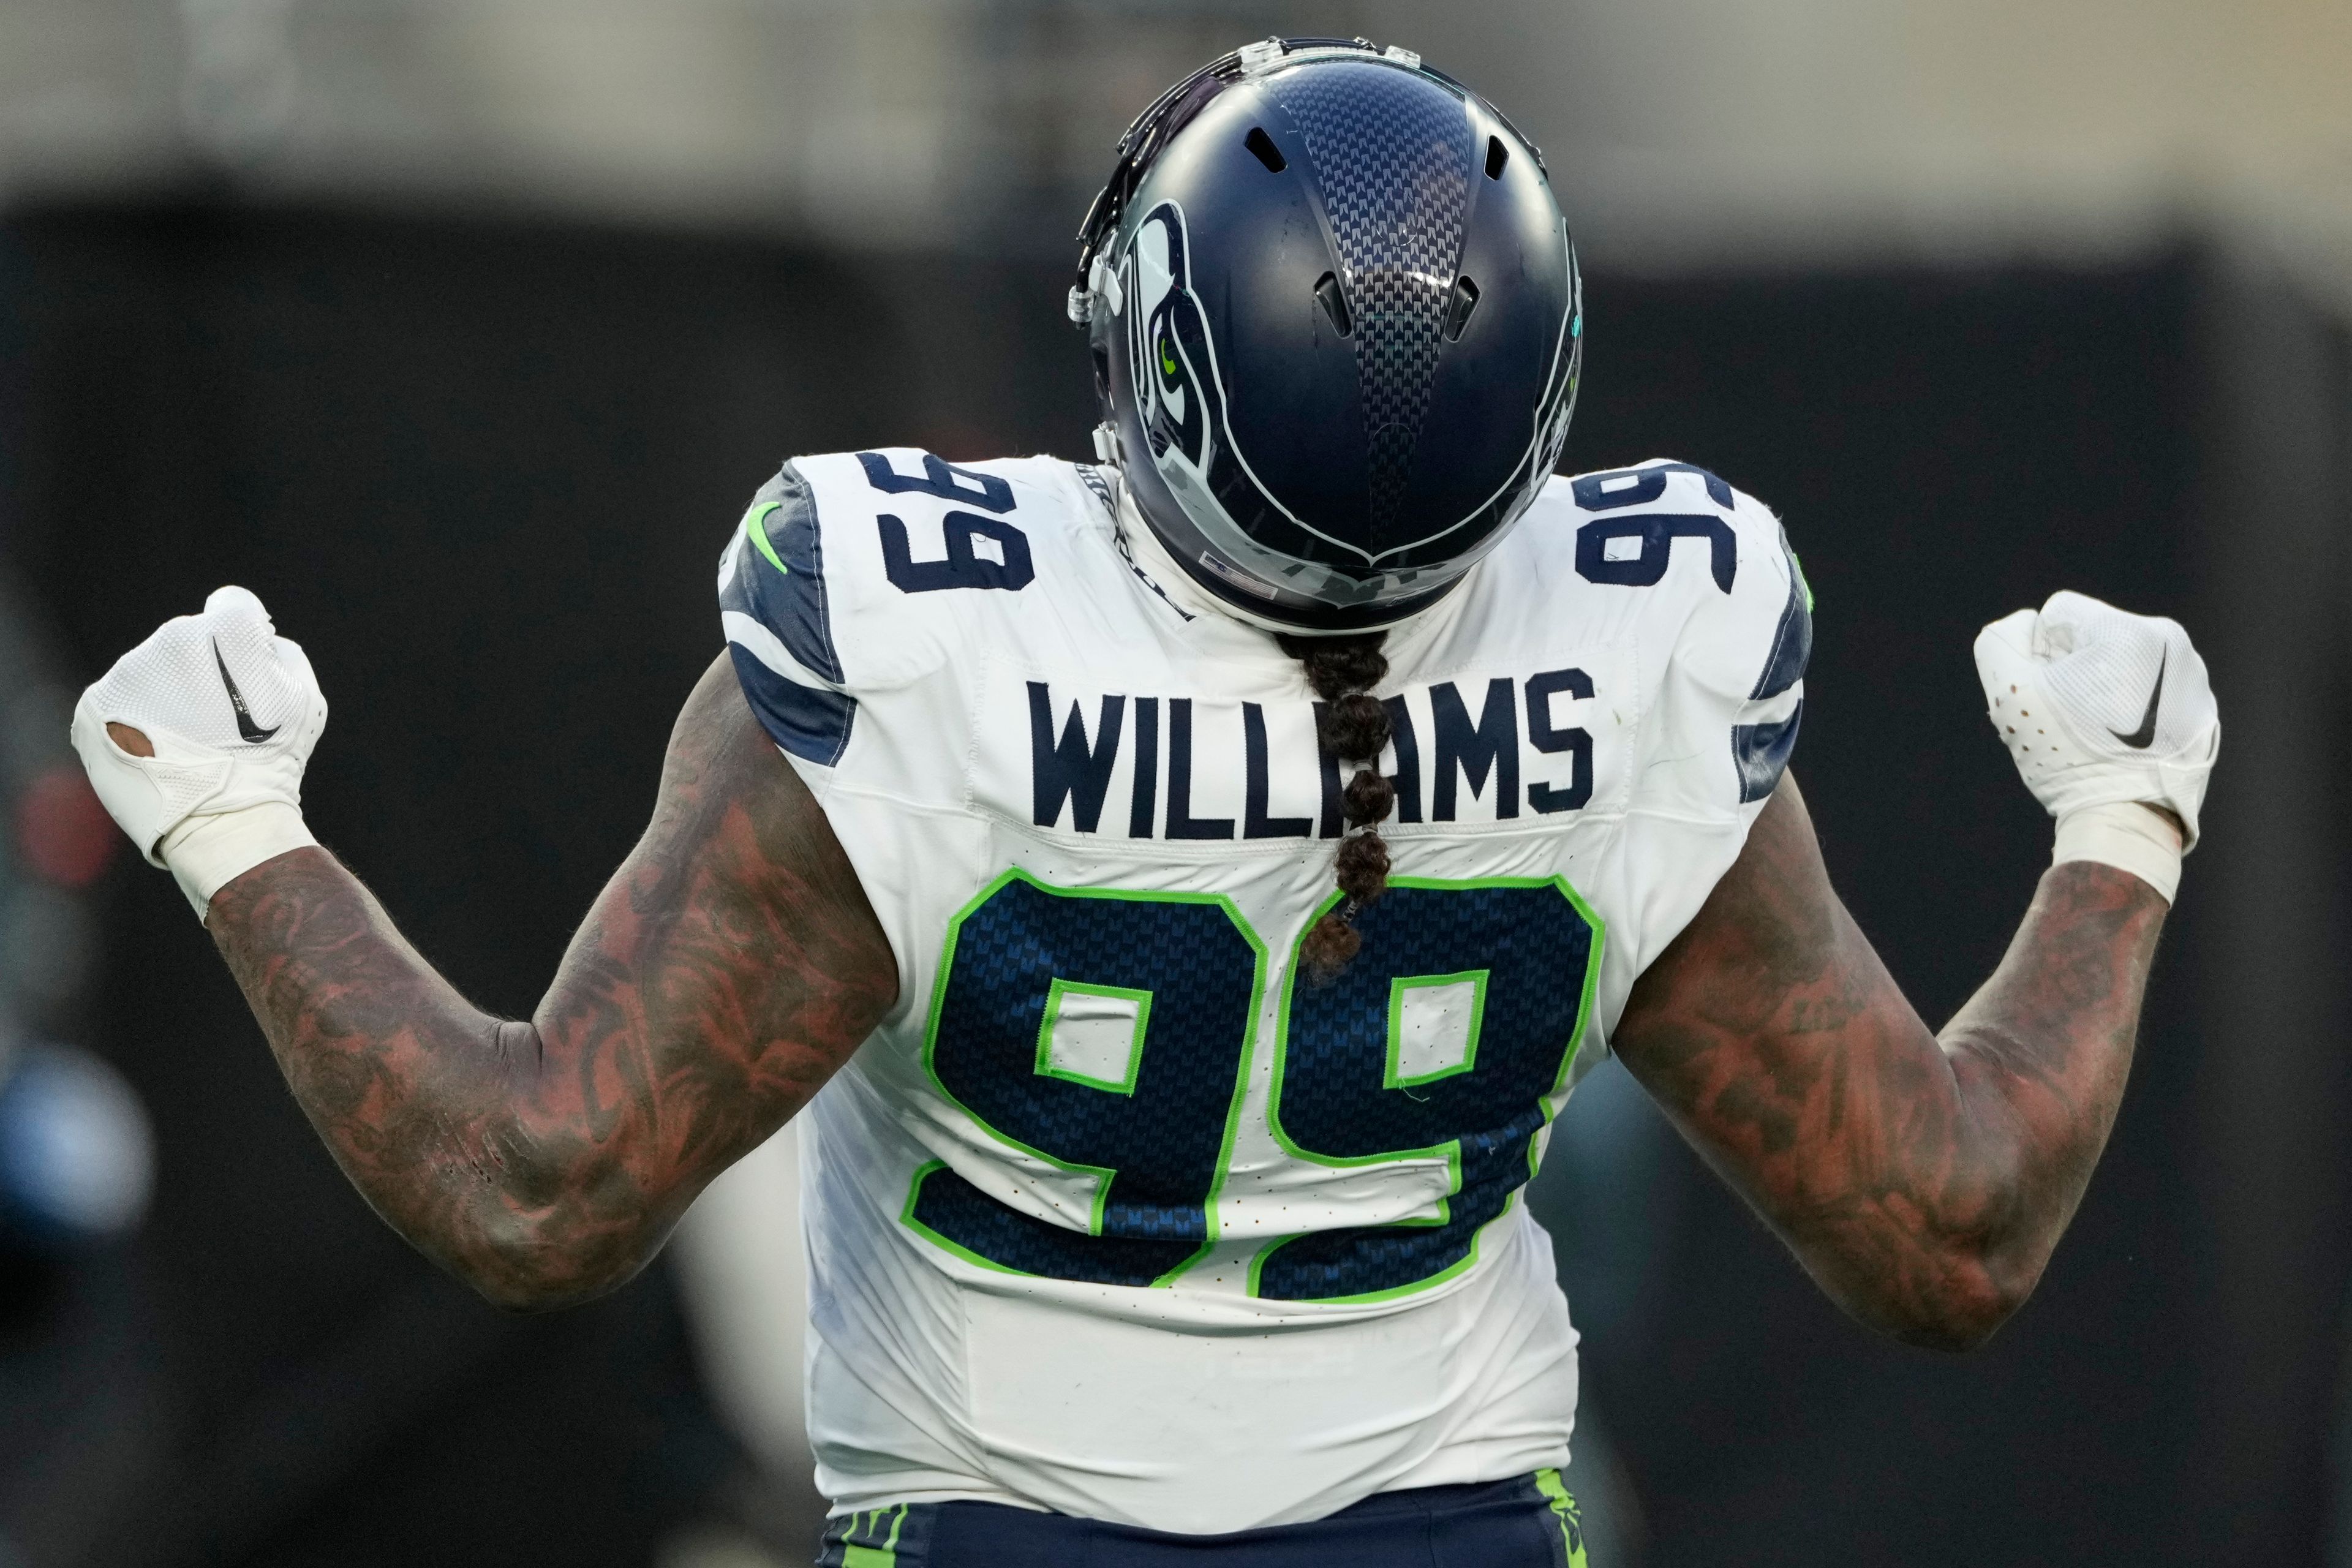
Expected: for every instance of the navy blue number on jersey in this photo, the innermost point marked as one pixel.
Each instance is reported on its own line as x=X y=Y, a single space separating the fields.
x=1634 y=549
x=1154 y=1135
x=965 y=566
x=1519 y=957
x=1600 y=557
x=1522 y=955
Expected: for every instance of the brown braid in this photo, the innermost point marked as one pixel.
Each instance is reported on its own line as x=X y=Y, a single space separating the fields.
x=1354 y=728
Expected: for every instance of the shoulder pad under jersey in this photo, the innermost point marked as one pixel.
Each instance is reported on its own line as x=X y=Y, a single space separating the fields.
x=1709 y=575
x=843 y=578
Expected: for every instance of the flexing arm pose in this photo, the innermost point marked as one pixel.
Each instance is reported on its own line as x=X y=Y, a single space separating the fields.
x=734 y=963
x=730 y=966
x=1922 y=1180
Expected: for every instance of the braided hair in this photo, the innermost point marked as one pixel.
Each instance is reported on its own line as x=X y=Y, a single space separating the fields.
x=1354 y=726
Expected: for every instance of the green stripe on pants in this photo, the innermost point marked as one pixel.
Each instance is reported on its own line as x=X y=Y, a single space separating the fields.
x=1563 y=1507
x=883 y=1556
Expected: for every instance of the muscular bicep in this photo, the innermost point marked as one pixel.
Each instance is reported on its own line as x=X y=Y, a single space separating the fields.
x=1922 y=1178
x=729 y=968
x=1776 y=1041
x=1771 y=965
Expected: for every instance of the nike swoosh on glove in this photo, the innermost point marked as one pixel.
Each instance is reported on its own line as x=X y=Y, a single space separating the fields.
x=2101 y=707
x=233 y=711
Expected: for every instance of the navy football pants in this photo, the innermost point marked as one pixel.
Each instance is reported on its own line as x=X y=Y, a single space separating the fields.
x=1529 y=1523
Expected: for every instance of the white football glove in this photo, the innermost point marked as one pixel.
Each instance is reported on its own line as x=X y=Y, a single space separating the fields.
x=232 y=710
x=2102 y=709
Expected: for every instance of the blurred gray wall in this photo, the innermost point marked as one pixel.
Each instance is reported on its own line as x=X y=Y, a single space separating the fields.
x=923 y=163
x=1682 y=130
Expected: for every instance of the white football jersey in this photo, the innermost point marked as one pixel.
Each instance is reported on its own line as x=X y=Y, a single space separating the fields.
x=1115 y=1215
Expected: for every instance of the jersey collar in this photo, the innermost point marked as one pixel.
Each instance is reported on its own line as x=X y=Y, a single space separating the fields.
x=1160 y=573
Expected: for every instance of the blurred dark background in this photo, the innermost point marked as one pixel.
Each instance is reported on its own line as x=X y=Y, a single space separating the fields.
x=480 y=458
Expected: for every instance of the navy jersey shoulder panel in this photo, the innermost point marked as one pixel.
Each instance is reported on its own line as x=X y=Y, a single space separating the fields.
x=780 y=582
x=1792 y=640
x=857 y=575
x=810 y=721
x=1760 y=753
x=779 y=613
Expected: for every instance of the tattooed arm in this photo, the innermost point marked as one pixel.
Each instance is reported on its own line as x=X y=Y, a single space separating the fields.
x=731 y=964
x=1922 y=1179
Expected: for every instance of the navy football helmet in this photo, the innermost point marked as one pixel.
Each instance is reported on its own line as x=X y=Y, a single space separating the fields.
x=1337 y=325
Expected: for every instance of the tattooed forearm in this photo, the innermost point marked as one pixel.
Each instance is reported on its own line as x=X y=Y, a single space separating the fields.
x=1922 y=1180
x=730 y=966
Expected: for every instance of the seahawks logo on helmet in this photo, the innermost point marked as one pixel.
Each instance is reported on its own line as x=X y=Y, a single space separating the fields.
x=1167 y=339
x=1178 y=399
x=1181 y=409
x=1349 y=341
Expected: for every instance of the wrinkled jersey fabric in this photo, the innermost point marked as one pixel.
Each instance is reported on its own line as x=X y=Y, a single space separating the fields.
x=1115 y=1215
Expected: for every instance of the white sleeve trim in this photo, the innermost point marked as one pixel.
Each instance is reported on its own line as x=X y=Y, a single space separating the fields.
x=746 y=633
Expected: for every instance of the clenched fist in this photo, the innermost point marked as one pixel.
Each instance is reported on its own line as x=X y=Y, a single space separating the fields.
x=2101 y=708
x=196 y=740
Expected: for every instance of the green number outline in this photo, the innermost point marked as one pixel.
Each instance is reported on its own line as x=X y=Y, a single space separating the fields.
x=1103 y=1174
x=1450 y=1150
x=1394 y=1076
x=1054 y=994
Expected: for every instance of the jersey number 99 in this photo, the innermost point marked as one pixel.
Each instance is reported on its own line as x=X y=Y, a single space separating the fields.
x=1109 y=1035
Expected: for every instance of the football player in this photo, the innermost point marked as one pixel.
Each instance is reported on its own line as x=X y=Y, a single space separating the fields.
x=1182 y=890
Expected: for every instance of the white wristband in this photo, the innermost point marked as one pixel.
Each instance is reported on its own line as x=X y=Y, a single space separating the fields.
x=207 y=853
x=2130 y=837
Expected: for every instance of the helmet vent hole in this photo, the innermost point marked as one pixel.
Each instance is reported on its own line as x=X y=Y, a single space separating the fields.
x=1328 y=295
x=1458 y=308
x=1496 y=156
x=1263 y=149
